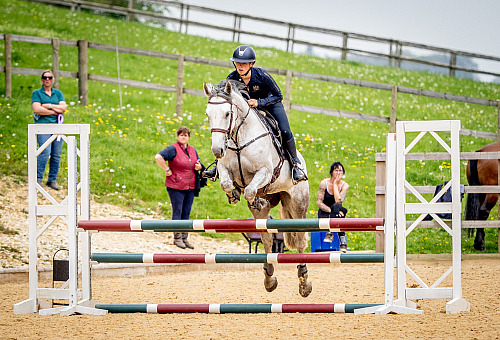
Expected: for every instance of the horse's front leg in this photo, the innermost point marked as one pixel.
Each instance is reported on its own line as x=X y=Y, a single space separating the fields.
x=226 y=183
x=260 y=179
x=298 y=240
x=270 y=281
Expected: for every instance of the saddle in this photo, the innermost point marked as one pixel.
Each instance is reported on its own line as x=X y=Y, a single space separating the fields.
x=272 y=125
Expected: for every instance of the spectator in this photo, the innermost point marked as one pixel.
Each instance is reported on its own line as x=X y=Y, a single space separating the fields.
x=331 y=194
x=182 y=180
x=48 y=108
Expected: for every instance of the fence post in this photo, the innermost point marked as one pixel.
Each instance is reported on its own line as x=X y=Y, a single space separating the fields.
x=399 y=52
x=379 y=203
x=180 y=81
x=131 y=5
x=344 y=46
x=498 y=180
x=290 y=39
x=236 y=28
x=83 y=72
x=394 y=109
x=453 y=63
x=8 y=65
x=55 y=61
x=288 y=92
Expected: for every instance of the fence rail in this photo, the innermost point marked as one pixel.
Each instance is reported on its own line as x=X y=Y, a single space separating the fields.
x=396 y=48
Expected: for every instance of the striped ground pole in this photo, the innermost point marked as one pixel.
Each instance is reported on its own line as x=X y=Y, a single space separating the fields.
x=237 y=225
x=237 y=258
x=234 y=308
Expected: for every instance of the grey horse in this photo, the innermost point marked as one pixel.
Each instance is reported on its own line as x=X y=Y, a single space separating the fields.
x=249 y=164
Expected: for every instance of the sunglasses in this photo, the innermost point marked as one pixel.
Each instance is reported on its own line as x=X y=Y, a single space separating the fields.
x=46 y=77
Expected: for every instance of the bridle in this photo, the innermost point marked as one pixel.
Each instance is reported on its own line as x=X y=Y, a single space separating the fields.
x=234 y=136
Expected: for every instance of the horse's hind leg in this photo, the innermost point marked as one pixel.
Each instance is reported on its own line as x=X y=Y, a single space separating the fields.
x=484 y=211
x=270 y=281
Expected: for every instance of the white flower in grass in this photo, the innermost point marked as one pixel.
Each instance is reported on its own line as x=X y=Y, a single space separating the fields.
x=117 y=184
x=101 y=170
x=111 y=170
x=124 y=186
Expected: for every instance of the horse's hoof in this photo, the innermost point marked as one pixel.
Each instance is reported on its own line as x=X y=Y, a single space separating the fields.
x=270 y=283
x=305 y=288
x=479 y=247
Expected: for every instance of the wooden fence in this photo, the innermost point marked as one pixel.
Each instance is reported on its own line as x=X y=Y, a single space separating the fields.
x=84 y=77
x=395 y=48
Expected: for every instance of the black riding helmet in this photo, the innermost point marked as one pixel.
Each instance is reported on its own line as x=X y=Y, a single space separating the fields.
x=243 y=54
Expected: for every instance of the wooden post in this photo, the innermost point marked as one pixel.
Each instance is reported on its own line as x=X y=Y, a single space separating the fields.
x=83 y=72
x=379 y=204
x=288 y=92
x=55 y=62
x=290 y=39
x=181 y=21
x=344 y=46
x=394 y=109
x=8 y=65
x=391 y=54
x=498 y=180
x=399 y=51
x=131 y=5
x=180 y=81
x=453 y=63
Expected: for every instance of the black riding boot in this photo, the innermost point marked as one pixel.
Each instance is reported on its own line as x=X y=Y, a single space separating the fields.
x=297 y=174
x=210 y=173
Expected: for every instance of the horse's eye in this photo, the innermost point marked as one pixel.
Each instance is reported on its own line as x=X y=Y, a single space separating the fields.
x=227 y=113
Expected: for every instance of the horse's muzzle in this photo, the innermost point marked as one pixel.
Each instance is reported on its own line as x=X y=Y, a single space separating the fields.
x=218 y=152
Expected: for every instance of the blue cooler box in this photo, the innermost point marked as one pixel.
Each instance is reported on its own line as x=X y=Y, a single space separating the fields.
x=317 y=243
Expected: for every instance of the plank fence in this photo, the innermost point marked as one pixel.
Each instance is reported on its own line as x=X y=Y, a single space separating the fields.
x=284 y=33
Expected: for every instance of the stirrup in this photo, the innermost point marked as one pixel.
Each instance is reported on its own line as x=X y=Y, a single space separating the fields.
x=298 y=175
x=210 y=174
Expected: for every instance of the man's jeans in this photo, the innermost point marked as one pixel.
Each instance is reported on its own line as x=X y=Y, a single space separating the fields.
x=54 y=151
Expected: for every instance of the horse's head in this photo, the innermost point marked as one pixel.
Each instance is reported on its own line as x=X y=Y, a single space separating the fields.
x=224 y=103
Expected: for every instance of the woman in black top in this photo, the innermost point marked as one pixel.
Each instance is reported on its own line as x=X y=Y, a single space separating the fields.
x=331 y=193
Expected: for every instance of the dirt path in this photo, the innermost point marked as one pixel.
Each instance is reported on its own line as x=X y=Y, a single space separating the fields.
x=358 y=283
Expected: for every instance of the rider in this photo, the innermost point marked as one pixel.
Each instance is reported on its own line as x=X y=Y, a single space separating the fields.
x=265 y=94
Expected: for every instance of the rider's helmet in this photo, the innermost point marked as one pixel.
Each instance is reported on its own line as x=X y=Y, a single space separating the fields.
x=243 y=54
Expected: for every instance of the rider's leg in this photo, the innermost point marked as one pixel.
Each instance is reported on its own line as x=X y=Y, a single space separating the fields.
x=210 y=173
x=278 y=112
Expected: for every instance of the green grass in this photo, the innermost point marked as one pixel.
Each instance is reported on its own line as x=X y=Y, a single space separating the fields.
x=125 y=140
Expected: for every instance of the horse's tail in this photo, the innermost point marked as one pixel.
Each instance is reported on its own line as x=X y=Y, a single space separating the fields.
x=473 y=201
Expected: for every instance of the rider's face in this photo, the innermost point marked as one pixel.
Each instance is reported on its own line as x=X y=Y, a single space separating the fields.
x=243 y=68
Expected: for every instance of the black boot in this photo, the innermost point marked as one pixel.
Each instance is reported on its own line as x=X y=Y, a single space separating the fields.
x=178 y=240
x=297 y=174
x=212 y=173
x=186 y=242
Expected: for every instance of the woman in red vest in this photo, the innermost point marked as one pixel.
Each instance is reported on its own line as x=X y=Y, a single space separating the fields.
x=181 y=179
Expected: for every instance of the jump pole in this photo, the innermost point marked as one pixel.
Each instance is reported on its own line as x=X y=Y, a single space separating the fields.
x=237 y=258
x=234 y=308
x=236 y=225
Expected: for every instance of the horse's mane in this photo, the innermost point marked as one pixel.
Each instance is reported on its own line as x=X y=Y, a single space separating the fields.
x=237 y=86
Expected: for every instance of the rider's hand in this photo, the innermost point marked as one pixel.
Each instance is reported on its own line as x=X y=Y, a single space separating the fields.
x=252 y=102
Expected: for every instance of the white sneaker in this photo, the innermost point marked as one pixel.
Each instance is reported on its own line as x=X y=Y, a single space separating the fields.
x=328 y=238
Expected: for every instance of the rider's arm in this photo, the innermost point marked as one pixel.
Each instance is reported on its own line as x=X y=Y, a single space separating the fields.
x=320 y=196
x=275 y=94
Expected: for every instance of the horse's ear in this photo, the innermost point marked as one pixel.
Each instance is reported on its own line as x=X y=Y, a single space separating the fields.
x=229 y=88
x=207 y=88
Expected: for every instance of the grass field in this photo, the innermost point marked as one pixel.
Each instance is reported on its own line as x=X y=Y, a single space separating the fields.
x=125 y=139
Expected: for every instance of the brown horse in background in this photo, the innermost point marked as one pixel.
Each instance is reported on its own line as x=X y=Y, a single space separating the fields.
x=481 y=172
